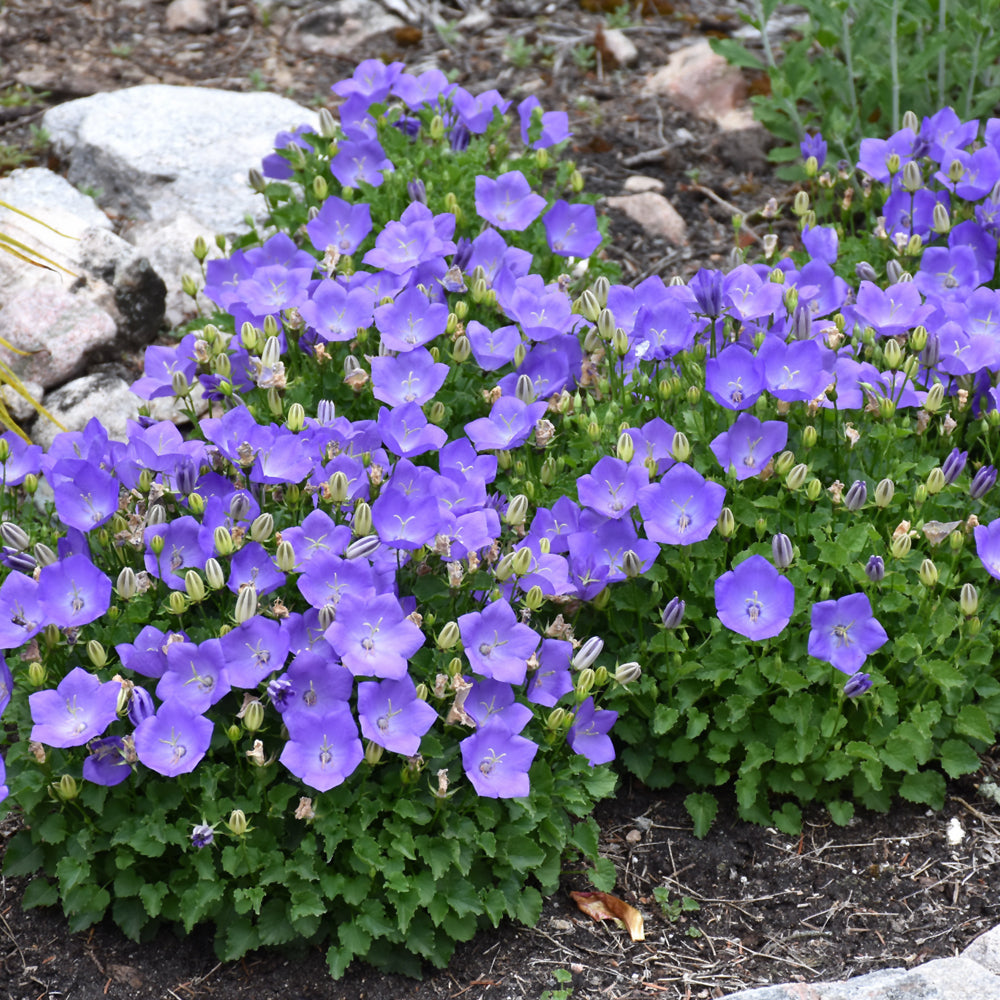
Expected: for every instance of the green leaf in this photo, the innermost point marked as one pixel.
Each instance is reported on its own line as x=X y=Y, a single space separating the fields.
x=23 y=856
x=603 y=875
x=664 y=719
x=702 y=807
x=973 y=721
x=523 y=854
x=927 y=787
x=841 y=812
x=39 y=892
x=529 y=907
x=958 y=758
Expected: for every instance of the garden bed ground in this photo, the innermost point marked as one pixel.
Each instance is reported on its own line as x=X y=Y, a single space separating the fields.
x=884 y=891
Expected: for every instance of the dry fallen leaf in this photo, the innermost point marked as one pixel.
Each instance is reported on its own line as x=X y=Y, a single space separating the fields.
x=601 y=906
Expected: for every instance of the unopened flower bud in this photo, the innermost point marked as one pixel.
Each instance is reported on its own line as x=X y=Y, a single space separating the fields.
x=521 y=561
x=625 y=448
x=461 y=349
x=177 y=602
x=680 y=447
x=801 y=203
x=982 y=482
x=935 y=480
x=157 y=544
x=97 y=654
x=14 y=536
x=127 y=584
x=928 y=573
x=900 y=546
x=194 y=586
x=223 y=541
x=968 y=600
x=296 y=417
x=875 y=569
x=627 y=673
x=284 y=556
x=140 y=705
x=213 y=573
x=940 y=220
x=361 y=525
x=953 y=465
x=246 y=603
x=44 y=556
x=884 y=492
x=856 y=496
x=797 y=475
x=588 y=653
x=584 y=682
x=557 y=719
x=813 y=489
x=631 y=564
x=893 y=354
x=534 y=598
x=726 y=524
x=587 y=306
x=253 y=716
x=66 y=788
x=781 y=549
x=920 y=494
x=673 y=613
x=857 y=684
x=37 y=674
x=262 y=527
x=448 y=636
x=517 y=510
x=237 y=822
x=327 y=124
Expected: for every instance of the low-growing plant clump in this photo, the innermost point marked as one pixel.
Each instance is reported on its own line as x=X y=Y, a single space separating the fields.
x=343 y=664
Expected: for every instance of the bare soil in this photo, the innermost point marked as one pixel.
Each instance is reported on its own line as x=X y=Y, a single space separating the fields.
x=746 y=906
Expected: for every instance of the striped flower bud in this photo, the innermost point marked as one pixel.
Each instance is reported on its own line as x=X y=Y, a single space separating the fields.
x=246 y=603
x=884 y=492
x=588 y=653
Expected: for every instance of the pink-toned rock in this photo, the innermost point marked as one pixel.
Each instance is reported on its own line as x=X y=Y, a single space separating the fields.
x=654 y=213
x=699 y=81
x=74 y=326
x=195 y=16
x=639 y=182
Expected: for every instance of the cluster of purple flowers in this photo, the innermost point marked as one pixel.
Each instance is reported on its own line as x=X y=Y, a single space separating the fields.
x=336 y=666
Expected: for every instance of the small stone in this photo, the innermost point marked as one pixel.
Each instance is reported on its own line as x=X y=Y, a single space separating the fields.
x=654 y=213
x=616 y=47
x=638 y=183
x=193 y=16
x=633 y=836
x=699 y=81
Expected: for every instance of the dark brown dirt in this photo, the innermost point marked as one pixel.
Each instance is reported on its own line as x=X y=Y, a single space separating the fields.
x=761 y=907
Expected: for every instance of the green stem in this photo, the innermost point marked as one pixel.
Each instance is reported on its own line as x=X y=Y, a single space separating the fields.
x=894 y=62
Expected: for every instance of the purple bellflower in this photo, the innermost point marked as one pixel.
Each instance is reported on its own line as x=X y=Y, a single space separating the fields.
x=393 y=716
x=73 y=592
x=844 y=632
x=78 y=710
x=373 y=637
x=106 y=764
x=324 y=753
x=496 y=644
x=571 y=230
x=588 y=736
x=173 y=741
x=988 y=546
x=754 y=599
x=749 y=445
x=682 y=508
x=735 y=377
x=497 y=761
x=507 y=202
x=612 y=487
